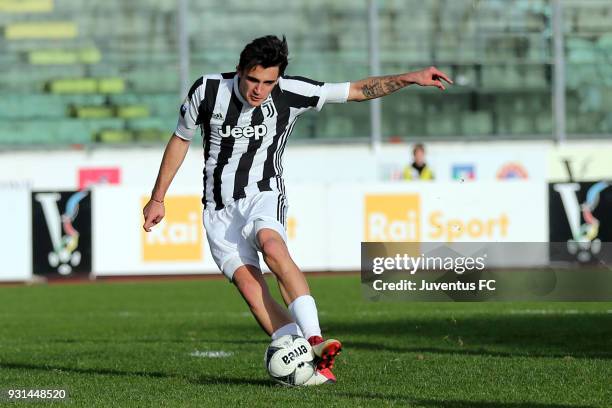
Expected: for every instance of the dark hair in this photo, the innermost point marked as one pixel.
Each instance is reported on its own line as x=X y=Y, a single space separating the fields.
x=418 y=146
x=268 y=51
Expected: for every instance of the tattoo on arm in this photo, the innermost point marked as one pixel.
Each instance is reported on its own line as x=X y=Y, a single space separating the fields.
x=381 y=86
x=372 y=89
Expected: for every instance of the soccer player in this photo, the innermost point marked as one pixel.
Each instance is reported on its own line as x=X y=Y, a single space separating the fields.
x=245 y=118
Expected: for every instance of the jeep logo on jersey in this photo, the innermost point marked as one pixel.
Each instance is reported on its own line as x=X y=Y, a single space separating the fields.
x=256 y=131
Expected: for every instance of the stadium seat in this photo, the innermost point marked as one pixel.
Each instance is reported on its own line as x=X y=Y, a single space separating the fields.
x=41 y=30
x=77 y=85
x=150 y=79
x=544 y=123
x=444 y=125
x=591 y=122
x=166 y=124
x=522 y=124
x=87 y=85
x=151 y=135
x=594 y=19
x=65 y=57
x=26 y=6
x=92 y=112
x=31 y=107
x=338 y=128
x=477 y=123
x=45 y=132
x=32 y=79
x=94 y=125
x=111 y=85
x=158 y=104
x=132 y=111
x=114 y=136
x=581 y=50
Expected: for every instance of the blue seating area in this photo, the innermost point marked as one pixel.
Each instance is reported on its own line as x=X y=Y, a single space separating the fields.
x=69 y=67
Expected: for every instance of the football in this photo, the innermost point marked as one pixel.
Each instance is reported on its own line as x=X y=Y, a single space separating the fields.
x=289 y=360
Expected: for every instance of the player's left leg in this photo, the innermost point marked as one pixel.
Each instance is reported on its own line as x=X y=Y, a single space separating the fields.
x=239 y=262
x=326 y=350
x=252 y=286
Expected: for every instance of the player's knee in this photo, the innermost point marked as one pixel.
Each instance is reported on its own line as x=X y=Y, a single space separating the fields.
x=273 y=248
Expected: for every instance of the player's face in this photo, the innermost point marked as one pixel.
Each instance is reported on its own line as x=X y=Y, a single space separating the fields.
x=256 y=85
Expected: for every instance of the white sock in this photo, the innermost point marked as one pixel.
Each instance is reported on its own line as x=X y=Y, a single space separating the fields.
x=304 y=311
x=290 y=328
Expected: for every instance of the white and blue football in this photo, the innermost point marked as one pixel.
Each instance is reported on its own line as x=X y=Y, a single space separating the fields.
x=289 y=360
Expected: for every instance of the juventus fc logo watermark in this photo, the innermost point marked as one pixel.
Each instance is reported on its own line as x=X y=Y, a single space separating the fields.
x=269 y=109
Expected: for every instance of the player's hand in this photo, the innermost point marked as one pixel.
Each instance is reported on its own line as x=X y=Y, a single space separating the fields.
x=431 y=76
x=153 y=213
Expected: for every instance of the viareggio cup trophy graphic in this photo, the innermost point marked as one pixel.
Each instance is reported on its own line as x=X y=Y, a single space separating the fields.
x=580 y=217
x=61 y=233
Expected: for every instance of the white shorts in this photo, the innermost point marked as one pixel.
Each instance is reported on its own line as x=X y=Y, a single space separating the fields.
x=232 y=231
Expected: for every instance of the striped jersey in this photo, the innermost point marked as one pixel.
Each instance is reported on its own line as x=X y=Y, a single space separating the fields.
x=244 y=145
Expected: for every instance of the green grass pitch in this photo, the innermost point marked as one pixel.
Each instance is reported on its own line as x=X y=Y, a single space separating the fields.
x=194 y=344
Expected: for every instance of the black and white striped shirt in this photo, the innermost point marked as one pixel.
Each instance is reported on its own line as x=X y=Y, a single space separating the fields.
x=243 y=145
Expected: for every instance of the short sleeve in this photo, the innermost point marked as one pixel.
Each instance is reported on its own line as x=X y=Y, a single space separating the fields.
x=335 y=92
x=307 y=93
x=189 y=111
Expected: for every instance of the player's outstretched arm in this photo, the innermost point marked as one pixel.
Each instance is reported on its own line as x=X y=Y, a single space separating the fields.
x=175 y=152
x=375 y=87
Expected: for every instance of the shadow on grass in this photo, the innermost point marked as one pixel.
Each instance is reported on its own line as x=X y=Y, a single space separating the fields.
x=469 y=352
x=220 y=380
x=578 y=336
x=452 y=403
x=203 y=380
x=197 y=342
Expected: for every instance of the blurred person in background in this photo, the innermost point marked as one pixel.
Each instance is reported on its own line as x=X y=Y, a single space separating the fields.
x=245 y=118
x=418 y=170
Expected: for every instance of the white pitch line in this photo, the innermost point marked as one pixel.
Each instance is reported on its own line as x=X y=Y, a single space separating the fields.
x=555 y=311
x=212 y=354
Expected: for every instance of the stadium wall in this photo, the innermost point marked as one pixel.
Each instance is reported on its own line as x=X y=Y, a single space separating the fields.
x=59 y=169
x=339 y=196
x=15 y=240
x=326 y=223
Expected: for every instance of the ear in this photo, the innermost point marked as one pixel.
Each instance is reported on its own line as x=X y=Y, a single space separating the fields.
x=238 y=71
